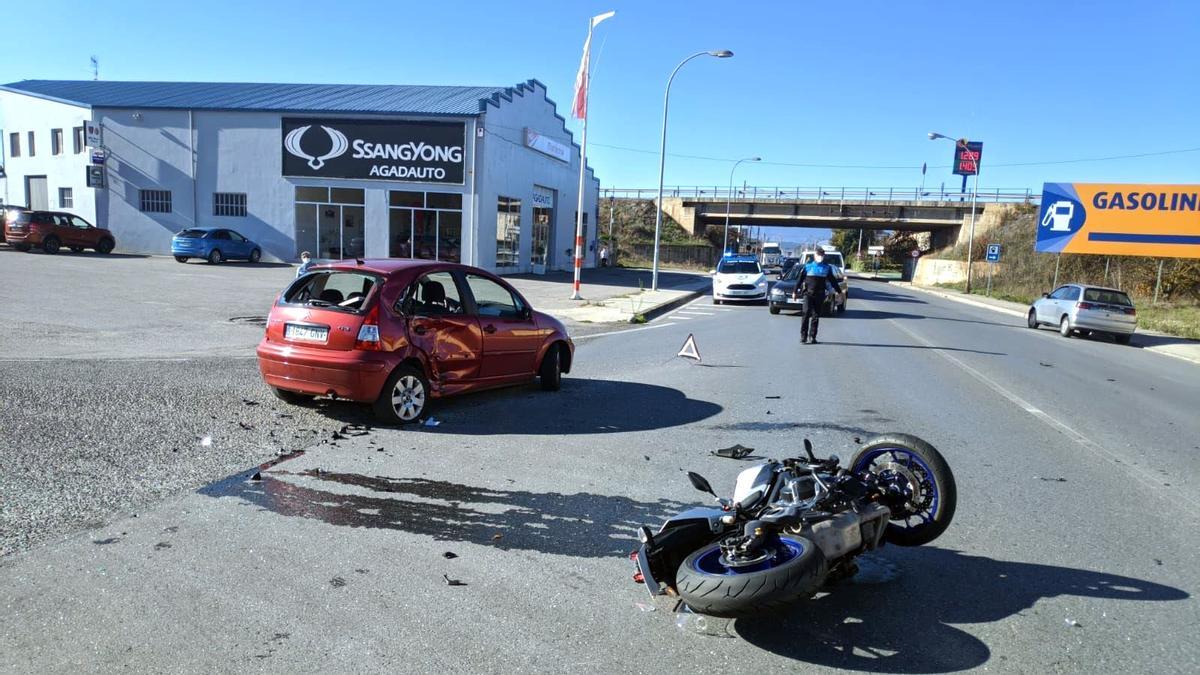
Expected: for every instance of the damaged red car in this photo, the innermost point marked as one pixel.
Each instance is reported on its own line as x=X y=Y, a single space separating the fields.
x=399 y=333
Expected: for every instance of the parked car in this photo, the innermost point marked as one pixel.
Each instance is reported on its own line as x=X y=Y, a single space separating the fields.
x=738 y=278
x=399 y=333
x=25 y=229
x=214 y=244
x=781 y=293
x=1079 y=308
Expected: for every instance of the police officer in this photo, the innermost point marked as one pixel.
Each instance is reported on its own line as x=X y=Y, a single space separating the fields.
x=814 y=278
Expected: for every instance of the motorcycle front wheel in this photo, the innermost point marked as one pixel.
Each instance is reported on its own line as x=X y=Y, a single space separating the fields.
x=709 y=586
x=929 y=478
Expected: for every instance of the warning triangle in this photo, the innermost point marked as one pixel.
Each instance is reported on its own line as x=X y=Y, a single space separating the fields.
x=690 y=351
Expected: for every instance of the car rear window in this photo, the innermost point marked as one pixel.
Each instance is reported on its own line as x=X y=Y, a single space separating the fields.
x=15 y=216
x=739 y=268
x=333 y=289
x=1107 y=297
x=192 y=234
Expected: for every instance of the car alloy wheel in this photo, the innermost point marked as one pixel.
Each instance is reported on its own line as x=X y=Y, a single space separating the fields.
x=1064 y=327
x=105 y=246
x=214 y=258
x=408 y=397
x=255 y=255
x=50 y=245
x=1031 y=320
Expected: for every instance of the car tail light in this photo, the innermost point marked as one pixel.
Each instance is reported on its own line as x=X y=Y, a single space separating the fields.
x=1084 y=305
x=368 y=333
x=1130 y=311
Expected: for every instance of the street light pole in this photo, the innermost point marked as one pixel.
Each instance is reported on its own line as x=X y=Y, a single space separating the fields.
x=662 y=157
x=729 y=199
x=933 y=136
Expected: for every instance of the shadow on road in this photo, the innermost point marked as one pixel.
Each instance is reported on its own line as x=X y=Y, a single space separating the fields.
x=67 y=253
x=580 y=524
x=906 y=626
x=583 y=406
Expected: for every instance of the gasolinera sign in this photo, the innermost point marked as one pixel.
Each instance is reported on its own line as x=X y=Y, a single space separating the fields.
x=418 y=152
x=1115 y=219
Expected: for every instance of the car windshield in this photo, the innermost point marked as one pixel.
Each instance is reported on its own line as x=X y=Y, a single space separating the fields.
x=1107 y=297
x=739 y=267
x=192 y=234
x=346 y=291
x=831 y=258
x=771 y=250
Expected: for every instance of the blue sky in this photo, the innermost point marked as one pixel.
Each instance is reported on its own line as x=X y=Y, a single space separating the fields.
x=830 y=83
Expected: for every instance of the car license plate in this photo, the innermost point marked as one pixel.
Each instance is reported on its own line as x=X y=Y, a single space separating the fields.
x=293 y=331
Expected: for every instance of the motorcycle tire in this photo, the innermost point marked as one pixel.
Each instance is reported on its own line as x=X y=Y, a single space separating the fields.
x=742 y=594
x=936 y=474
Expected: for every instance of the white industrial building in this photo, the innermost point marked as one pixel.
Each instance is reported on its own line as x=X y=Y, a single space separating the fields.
x=481 y=175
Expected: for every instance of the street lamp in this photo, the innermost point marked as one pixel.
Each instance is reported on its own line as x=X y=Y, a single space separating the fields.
x=933 y=136
x=729 y=198
x=662 y=156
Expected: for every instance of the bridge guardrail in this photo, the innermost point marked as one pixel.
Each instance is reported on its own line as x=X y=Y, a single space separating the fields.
x=884 y=195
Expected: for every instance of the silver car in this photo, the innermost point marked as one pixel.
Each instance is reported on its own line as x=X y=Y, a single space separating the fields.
x=1079 y=308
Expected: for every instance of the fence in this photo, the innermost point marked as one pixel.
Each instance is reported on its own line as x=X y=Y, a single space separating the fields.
x=884 y=195
x=692 y=255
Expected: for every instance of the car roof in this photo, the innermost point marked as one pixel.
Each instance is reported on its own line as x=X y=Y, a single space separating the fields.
x=1097 y=288
x=388 y=266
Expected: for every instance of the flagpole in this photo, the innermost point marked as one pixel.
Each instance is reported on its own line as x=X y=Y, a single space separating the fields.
x=587 y=82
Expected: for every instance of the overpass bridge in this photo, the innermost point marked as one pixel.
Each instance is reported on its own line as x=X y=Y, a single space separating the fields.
x=941 y=212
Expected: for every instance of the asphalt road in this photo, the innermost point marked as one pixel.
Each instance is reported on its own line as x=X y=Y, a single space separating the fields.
x=1074 y=548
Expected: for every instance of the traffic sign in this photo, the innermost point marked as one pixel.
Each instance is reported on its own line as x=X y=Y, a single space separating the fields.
x=99 y=155
x=916 y=253
x=875 y=250
x=91 y=135
x=95 y=176
x=993 y=253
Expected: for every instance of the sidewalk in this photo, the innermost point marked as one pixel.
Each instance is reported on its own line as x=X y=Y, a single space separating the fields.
x=1180 y=348
x=613 y=294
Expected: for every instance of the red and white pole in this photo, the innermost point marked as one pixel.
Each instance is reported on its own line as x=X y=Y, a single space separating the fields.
x=582 y=176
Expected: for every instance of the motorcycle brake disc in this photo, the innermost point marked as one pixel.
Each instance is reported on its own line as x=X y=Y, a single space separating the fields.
x=914 y=482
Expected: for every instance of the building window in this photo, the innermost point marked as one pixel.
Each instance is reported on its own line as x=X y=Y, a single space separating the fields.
x=66 y=199
x=77 y=135
x=32 y=147
x=14 y=145
x=508 y=232
x=330 y=222
x=56 y=142
x=232 y=204
x=155 y=201
x=425 y=225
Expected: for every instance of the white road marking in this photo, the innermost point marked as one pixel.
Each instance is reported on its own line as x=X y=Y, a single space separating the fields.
x=1141 y=475
x=620 y=332
x=695 y=312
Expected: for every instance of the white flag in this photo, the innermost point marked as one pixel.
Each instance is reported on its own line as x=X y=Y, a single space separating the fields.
x=579 y=106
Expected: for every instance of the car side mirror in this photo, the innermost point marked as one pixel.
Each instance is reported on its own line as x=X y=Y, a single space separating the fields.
x=700 y=483
x=1045 y=295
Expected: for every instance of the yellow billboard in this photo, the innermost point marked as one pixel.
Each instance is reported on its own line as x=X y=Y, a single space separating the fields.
x=1120 y=219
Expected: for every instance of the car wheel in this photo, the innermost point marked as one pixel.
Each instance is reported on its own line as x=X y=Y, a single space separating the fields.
x=842 y=308
x=774 y=309
x=51 y=245
x=76 y=249
x=716 y=301
x=105 y=246
x=1031 y=320
x=550 y=373
x=181 y=258
x=1064 y=327
x=214 y=258
x=293 y=397
x=255 y=255
x=1122 y=339
x=404 y=398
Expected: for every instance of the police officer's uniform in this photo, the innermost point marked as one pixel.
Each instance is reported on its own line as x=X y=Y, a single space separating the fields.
x=812 y=282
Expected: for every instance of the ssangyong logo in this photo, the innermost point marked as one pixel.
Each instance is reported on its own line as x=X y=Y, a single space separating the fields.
x=337 y=141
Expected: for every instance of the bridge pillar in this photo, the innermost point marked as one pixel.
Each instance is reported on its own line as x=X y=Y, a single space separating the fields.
x=684 y=215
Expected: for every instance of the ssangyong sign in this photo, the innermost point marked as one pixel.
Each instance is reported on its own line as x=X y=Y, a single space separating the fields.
x=414 y=152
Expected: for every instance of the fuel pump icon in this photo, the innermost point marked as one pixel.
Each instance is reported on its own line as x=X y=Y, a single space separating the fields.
x=1058 y=216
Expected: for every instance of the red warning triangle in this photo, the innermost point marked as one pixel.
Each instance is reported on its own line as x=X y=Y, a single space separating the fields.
x=690 y=351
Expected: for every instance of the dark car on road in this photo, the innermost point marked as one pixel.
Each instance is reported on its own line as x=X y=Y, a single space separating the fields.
x=398 y=333
x=50 y=231
x=781 y=298
x=786 y=265
x=214 y=244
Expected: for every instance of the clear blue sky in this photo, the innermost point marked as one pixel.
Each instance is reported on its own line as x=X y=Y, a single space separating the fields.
x=828 y=83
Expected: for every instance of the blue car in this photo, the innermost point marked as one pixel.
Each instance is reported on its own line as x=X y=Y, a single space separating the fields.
x=214 y=244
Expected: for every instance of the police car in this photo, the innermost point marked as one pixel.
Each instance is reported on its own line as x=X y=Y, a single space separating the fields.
x=739 y=278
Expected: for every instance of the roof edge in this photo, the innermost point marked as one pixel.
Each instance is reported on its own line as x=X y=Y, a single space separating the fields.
x=44 y=97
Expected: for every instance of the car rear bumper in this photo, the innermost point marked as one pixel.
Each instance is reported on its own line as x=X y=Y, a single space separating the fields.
x=354 y=375
x=1105 y=325
x=23 y=237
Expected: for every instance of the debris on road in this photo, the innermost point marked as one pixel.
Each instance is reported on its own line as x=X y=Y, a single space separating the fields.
x=645 y=606
x=497 y=537
x=113 y=540
x=1073 y=623
x=337 y=582
x=1045 y=365
x=257 y=476
x=245 y=425
x=431 y=422
x=453 y=582
x=1060 y=479
x=734 y=452
x=354 y=430
x=449 y=555
x=249 y=402
x=646 y=457
x=206 y=442
x=774 y=397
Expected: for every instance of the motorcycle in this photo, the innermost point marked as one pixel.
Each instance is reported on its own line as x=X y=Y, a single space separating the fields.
x=795 y=525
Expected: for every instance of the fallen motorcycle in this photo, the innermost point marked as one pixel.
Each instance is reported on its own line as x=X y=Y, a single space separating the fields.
x=795 y=525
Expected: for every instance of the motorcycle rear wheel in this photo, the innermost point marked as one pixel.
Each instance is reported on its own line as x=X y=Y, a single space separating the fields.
x=710 y=587
x=939 y=495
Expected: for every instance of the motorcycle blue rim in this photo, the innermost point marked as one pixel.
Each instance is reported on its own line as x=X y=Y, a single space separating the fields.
x=710 y=561
x=907 y=458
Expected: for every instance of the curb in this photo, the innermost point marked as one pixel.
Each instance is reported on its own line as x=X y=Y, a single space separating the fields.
x=655 y=312
x=1011 y=312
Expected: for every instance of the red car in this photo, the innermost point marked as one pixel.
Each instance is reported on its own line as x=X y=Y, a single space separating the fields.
x=52 y=230
x=398 y=333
